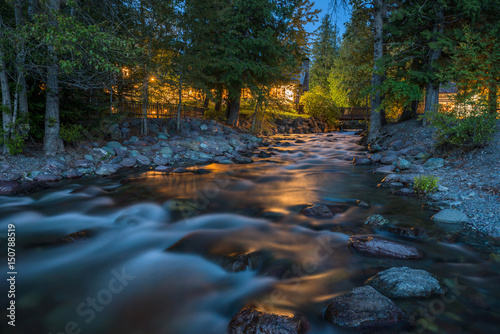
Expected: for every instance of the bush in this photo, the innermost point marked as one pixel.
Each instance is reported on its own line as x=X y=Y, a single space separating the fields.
x=470 y=126
x=319 y=104
x=71 y=133
x=425 y=184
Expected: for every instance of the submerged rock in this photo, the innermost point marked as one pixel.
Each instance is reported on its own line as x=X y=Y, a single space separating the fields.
x=363 y=308
x=317 y=210
x=377 y=247
x=251 y=321
x=408 y=232
x=404 y=282
x=376 y=220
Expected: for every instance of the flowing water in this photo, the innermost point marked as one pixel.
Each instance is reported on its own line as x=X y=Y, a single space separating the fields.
x=163 y=253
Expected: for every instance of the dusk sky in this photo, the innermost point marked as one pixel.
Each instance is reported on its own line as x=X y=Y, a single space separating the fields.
x=341 y=16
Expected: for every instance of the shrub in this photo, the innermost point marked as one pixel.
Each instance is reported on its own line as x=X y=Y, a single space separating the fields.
x=470 y=126
x=71 y=133
x=425 y=184
x=318 y=103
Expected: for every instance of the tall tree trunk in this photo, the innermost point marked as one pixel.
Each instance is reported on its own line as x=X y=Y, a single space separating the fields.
x=409 y=112
x=179 y=107
x=255 y=114
x=378 y=50
x=22 y=89
x=145 y=100
x=234 y=110
x=6 y=101
x=492 y=98
x=432 y=86
x=53 y=144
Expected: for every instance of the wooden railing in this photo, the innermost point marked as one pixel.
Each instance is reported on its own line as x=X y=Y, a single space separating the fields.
x=354 y=114
x=157 y=110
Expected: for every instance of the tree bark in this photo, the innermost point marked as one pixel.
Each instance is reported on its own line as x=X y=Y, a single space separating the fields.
x=145 y=100
x=378 y=50
x=409 y=112
x=234 y=110
x=22 y=89
x=53 y=144
x=492 y=98
x=179 y=107
x=432 y=86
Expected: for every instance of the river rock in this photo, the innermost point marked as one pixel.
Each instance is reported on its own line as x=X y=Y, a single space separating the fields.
x=374 y=246
x=8 y=187
x=389 y=160
x=264 y=154
x=376 y=157
x=397 y=145
x=450 y=216
x=376 y=220
x=404 y=282
x=408 y=232
x=143 y=160
x=84 y=163
x=404 y=192
x=48 y=178
x=386 y=169
x=159 y=160
x=29 y=187
x=99 y=153
x=114 y=132
x=162 y=168
x=106 y=169
x=434 y=163
x=73 y=174
x=129 y=162
x=403 y=164
x=5 y=168
x=251 y=321
x=167 y=152
x=364 y=308
x=317 y=210
x=374 y=148
x=114 y=144
x=361 y=161
x=14 y=176
x=56 y=163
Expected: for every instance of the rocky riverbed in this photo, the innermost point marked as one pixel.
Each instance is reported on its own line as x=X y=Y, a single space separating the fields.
x=163 y=149
x=469 y=180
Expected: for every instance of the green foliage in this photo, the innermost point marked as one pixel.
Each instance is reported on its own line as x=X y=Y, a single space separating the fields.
x=350 y=77
x=318 y=103
x=325 y=50
x=425 y=184
x=71 y=133
x=468 y=126
x=13 y=137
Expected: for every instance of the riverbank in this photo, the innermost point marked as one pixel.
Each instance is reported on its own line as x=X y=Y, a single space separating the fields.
x=469 y=180
x=163 y=149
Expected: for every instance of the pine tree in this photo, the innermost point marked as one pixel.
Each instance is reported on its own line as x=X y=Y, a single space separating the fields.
x=324 y=53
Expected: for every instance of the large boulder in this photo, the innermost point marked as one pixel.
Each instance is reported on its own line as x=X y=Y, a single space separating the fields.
x=377 y=247
x=251 y=321
x=450 y=216
x=364 y=309
x=405 y=282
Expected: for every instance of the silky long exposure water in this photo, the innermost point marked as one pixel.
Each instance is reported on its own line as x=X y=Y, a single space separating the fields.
x=182 y=253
